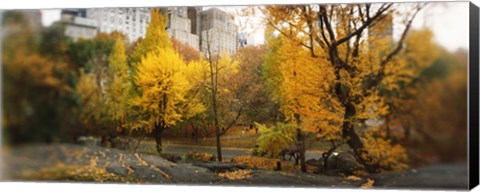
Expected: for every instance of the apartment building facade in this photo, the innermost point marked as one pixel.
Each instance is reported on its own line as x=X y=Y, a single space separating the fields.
x=133 y=22
x=183 y=26
x=77 y=26
x=218 y=32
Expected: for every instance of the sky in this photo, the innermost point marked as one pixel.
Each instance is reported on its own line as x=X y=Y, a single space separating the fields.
x=447 y=20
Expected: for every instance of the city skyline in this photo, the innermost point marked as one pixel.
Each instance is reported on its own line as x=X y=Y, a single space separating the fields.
x=443 y=19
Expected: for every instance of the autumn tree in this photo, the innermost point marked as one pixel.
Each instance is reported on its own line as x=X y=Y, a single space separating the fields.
x=164 y=86
x=91 y=106
x=274 y=139
x=187 y=52
x=335 y=75
x=33 y=81
x=435 y=100
x=165 y=83
x=118 y=87
x=249 y=87
x=156 y=36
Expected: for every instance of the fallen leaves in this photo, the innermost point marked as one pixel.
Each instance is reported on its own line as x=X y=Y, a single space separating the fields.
x=354 y=178
x=368 y=184
x=200 y=156
x=142 y=162
x=256 y=162
x=237 y=175
x=62 y=172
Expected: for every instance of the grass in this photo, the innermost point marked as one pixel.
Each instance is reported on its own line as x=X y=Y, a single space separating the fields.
x=247 y=141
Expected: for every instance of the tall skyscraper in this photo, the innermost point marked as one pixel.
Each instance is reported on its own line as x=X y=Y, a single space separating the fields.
x=182 y=25
x=133 y=22
x=189 y=25
x=218 y=32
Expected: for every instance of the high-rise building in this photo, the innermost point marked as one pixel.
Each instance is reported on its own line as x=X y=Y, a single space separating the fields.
x=189 y=25
x=218 y=32
x=182 y=25
x=193 y=14
x=244 y=39
x=77 y=26
x=132 y=22
x=69 y=14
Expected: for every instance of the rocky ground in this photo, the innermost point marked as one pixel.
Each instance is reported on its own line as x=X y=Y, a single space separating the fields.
x=36 y=162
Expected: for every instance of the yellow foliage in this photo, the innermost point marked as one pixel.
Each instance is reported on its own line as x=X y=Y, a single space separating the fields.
x=118 y=85
x=304 y=89
x=156 y=36
x=337 y=71
x=273 y=140
x=89 y=92
x=392 y=157
x=163 y=86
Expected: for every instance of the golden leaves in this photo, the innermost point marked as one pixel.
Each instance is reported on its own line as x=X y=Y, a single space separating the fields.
x=276 y=138
x=368 y=184
x=162 y=81
x=389 y=156
x=256 y=162
x=237 y=175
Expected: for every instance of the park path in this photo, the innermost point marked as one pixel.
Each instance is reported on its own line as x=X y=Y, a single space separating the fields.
x=227 y=152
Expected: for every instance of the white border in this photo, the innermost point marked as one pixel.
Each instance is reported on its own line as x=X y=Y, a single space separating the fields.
x=51 y=4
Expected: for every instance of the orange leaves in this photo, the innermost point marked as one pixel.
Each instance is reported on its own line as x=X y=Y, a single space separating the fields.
x=188 y=53
x=304 y=90
x=368 y=184
x=392 y=157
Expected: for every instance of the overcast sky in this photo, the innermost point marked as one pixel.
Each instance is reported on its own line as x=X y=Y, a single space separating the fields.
x=448 y=21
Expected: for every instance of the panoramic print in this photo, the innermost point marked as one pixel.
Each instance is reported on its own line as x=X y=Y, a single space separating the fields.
x=370 y=95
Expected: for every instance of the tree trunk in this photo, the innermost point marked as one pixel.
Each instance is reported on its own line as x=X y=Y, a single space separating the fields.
x=353 y=140
x=301 y=149
x=213 y=83
x=195 y=129
x=157 y=133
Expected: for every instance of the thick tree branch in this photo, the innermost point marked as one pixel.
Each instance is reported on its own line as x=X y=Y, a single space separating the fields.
x=367 y=23
x=381 y=74
x=225 y=129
